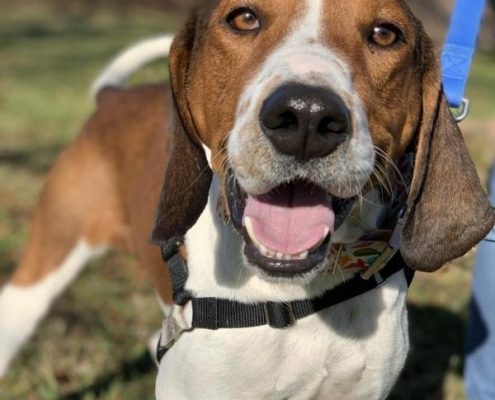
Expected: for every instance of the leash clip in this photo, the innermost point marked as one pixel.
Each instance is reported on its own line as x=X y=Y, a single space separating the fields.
x=462 y=111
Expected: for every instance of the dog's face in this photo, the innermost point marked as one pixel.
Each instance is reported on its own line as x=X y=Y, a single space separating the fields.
x=351 y=67
x=306 y=105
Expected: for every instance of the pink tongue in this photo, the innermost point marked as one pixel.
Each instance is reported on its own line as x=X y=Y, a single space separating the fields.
x=292 y=218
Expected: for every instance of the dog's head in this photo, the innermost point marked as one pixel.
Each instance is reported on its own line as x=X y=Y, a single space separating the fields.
x=306 y=105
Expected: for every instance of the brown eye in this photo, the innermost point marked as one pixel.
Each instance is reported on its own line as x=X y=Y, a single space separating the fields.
x=385 y=35
x=243 y=20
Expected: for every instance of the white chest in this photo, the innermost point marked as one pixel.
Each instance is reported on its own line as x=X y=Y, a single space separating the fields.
x=352 y=351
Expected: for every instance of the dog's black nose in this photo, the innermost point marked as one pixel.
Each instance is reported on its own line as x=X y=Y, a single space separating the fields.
x=305 y=121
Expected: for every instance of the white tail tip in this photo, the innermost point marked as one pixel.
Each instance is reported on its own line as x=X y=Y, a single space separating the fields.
x=130 y=60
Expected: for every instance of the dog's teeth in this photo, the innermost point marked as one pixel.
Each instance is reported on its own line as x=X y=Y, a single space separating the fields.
x=263 y=250
x=248 y=224
x=303 y=255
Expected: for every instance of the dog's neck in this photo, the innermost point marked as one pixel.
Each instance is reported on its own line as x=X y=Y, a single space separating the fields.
x=217 y=267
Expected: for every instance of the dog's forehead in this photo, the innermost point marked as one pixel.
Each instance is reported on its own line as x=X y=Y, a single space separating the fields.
x=331 y=13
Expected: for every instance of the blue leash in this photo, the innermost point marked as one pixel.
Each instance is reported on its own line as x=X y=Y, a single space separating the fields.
x=459 y=51
x=491 y=187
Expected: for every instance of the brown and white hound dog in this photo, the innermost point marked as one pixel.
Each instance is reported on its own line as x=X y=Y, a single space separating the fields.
x=302 y=106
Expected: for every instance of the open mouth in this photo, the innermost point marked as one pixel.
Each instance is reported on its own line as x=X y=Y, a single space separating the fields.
x=286 y=231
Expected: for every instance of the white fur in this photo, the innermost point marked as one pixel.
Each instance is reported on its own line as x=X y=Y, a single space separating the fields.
x=129 y=61
x=22 y=308
x=310 y=28
x=354 y=350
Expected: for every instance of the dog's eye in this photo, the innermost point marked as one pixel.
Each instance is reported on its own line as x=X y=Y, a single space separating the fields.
x=243 y=20
x=385 y=35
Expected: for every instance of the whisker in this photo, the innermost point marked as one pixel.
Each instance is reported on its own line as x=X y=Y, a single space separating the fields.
x=381 y=174
x=383 y=185
x=388 y=160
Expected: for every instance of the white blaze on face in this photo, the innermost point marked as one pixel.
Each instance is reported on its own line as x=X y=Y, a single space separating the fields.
x=301 y=58
x=312 y=22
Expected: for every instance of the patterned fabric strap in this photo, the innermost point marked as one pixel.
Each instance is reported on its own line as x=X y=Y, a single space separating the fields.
x=357 y=256
x=362 y=255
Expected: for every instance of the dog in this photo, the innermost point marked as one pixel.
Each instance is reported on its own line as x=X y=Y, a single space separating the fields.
x=302 y=162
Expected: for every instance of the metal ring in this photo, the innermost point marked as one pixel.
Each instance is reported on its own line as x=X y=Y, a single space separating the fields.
x=462 y=112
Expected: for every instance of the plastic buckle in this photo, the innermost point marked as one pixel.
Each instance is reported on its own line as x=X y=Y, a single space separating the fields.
x=462 y=112
x=173 y=328
x=380 y=263
x=166 y=342
x=161 y=350
x=279 y=315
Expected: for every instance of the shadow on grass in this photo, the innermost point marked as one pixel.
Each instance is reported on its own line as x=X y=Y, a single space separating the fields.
x=437 y=347
x=129 y=371
x=35 y=159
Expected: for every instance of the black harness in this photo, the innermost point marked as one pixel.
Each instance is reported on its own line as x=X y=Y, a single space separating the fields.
x=214 y=313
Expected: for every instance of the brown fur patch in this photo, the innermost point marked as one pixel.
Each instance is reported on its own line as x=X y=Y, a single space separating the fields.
x=211 y=66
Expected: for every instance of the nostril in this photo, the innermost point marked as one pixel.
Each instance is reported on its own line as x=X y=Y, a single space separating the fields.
x=279 y=120
x=288 y=120
x=331 y=125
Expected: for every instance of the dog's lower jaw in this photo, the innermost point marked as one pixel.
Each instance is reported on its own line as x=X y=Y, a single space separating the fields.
x=354 y=350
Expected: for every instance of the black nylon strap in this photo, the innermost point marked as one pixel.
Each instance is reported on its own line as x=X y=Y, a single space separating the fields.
x=213 y=313
x=178 y=271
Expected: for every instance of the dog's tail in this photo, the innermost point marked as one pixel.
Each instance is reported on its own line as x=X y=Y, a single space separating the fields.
x=130 y=60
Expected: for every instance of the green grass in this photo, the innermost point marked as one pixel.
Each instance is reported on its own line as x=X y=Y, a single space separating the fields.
x=93 y=344
x=481 y=89
x=49 y=60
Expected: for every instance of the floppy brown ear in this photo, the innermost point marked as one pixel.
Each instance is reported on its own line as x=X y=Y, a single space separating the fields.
x=449 y=210
x=188 y=176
